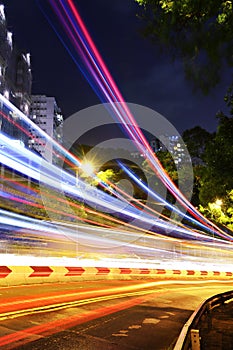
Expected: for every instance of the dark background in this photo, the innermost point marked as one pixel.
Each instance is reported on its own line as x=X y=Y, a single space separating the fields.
x=141 y=73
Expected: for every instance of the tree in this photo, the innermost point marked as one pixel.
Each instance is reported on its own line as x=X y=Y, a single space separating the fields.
x=200 y=32
x=103 y=176
x=217 y=179
x=167 y=161
x=221 y=211
x=196 y=140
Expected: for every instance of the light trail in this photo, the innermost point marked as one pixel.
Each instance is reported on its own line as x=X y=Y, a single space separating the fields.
x=84 y=235
x=84 y=46
x=157 y=291
x=40 y=135
x=112 y=242
x=134 y=296
x=49 y=175
x=35 y=194
x=20 y=198
x=117 y=192
x=166 y=204
x=27 y=163
x=107 y=185
x=38 y=130
x=36 y=137
x=56 y=147
x=35 y=164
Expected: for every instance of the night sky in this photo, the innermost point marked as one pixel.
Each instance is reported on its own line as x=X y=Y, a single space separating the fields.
x=143 y=76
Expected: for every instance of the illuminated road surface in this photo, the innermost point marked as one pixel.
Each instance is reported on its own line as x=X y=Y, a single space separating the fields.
x=99 y=315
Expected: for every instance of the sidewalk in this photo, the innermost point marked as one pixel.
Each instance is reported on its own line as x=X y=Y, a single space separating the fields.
x=216 y=330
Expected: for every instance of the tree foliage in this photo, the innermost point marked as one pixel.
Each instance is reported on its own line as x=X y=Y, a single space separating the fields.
x=200 y=32
x=167 y=162
x=217 y=178
x=214 y=152
x=196 y=140
x=220 y=211
x=213 y=177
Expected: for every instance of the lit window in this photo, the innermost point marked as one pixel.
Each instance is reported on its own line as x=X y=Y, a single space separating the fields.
x=6 y=94
x=9 y=38
x=26 y=108
x=2 y=13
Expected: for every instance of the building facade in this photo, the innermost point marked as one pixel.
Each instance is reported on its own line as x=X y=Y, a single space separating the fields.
x=175 y=146
x=46 y=114
x=15 y=82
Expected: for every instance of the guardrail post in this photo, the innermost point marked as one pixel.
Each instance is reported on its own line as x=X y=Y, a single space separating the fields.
x=195 y=339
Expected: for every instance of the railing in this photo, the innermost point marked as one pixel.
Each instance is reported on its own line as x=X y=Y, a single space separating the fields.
x=189 y=337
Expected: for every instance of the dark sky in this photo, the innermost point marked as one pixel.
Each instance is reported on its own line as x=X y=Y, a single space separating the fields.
x=143 y=76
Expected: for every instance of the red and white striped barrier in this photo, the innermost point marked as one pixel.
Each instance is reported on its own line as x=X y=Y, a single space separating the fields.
x=17 y=275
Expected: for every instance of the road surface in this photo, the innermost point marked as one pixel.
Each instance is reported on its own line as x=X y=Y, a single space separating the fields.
x=100 y=315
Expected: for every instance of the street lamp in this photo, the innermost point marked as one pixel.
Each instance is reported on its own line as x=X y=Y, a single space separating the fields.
x=217 y=204
x=87 y=168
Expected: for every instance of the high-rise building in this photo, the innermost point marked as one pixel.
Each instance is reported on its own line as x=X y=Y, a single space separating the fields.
x=6 y=48
x=46 y=114
x=175 y=146
x=15 y=82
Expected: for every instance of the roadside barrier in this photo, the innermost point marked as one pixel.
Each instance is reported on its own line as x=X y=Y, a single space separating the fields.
x=18 y=275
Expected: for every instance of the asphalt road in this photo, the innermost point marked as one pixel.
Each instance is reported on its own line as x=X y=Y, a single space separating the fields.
x=100 y=315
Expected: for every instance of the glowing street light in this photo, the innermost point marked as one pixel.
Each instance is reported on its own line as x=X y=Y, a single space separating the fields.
x=217 y=204
x=87 y=168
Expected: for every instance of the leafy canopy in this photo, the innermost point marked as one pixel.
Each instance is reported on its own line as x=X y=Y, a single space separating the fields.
x=199 y=31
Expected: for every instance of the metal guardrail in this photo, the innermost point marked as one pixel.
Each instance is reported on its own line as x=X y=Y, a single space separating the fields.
x=189 y=336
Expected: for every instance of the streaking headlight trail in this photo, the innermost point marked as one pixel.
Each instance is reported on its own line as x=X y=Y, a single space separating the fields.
x=31 y=164
x=86 y=56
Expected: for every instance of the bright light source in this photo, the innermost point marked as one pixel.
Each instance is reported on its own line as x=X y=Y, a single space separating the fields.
x=87 y=168
x=218 y=202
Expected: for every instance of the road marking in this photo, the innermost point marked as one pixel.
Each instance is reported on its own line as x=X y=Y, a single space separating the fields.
x=151 y=320
x=136 y=326
x=75 y=303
